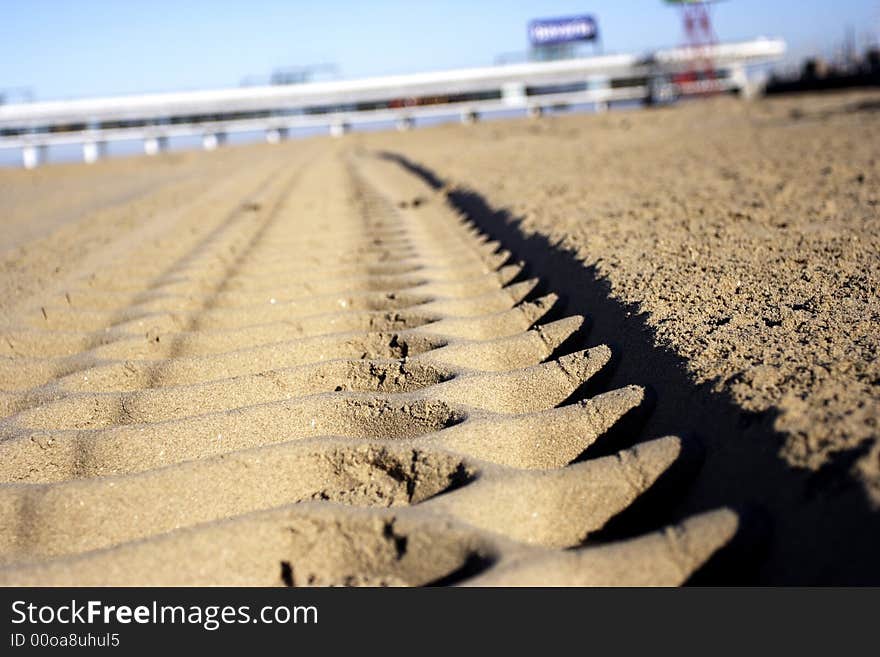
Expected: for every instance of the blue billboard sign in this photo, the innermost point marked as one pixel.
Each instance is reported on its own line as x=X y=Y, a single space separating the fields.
x=553 y=31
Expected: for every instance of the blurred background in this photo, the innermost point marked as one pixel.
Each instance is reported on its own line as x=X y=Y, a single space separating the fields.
x=54 y=50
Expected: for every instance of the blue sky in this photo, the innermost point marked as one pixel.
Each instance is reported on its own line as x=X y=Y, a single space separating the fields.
x=67 y=49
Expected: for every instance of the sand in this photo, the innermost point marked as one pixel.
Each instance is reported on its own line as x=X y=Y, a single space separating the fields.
x=747 y=232
x=634 y=348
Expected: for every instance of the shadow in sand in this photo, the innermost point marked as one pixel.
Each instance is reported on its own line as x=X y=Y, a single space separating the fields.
x=818 y=527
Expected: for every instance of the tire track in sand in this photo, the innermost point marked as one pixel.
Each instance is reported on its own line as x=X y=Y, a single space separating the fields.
x=355 y=387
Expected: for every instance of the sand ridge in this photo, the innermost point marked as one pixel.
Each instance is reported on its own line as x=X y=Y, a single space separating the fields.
x=342 y=382
x=747 y=233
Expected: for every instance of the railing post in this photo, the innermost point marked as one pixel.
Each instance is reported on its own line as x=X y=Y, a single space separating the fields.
x=276 y=135
x=93 y=151
x=339 y=128
x=745 y=87
x=155 y=145
x=33 y=155
x=469 y=117
x=211 y=140
x=513 y=94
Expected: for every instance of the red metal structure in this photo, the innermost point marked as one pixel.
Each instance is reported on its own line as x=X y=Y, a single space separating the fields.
x=699 y=38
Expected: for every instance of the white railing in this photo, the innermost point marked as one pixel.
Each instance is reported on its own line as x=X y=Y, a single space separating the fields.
x=155 y=118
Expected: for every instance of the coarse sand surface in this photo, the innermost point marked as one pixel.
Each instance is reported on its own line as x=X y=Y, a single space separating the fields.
x=748 y=234
x=637 y=347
